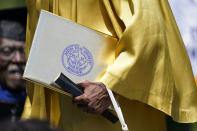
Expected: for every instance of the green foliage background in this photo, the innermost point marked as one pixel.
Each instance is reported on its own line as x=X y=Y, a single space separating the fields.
x=6 y=4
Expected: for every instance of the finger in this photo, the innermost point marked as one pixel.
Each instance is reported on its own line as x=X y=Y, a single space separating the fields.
x=83 y=84
x=80 y=102
x=92 y=109
x=83 y=98
x=79 y=98
x=86 y=108
x=98 y=107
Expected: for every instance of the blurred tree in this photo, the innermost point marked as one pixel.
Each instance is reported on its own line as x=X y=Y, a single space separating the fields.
x=5 y=4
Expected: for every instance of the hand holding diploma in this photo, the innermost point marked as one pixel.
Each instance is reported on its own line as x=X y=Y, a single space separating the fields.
x=87 y=100
x=95 y=98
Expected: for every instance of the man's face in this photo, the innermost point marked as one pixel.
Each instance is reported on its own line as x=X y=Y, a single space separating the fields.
x=12 y=63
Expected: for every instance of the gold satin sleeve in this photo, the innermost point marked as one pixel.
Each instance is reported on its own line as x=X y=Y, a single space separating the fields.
x=151 y=63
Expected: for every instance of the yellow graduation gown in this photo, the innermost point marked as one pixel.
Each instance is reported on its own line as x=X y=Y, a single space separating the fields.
x=196 y=81
x=151 y=72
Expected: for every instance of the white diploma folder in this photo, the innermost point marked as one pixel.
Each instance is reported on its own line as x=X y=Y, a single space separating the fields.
x=62 y=46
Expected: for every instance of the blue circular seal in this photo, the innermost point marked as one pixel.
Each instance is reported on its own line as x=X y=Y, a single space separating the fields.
x=77 y=60
x=193 y=2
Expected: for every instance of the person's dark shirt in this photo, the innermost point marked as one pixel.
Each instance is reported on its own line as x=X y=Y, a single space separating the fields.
x=11 y=104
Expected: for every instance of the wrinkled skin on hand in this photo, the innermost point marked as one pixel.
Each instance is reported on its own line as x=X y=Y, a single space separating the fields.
x=95 y=98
